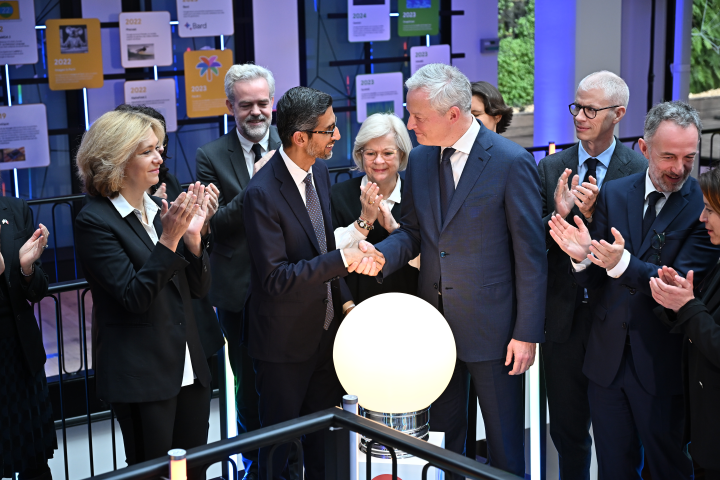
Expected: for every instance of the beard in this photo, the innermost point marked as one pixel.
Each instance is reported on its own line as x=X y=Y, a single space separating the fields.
x=319 y=151
x=658 y=178
x=252 y=132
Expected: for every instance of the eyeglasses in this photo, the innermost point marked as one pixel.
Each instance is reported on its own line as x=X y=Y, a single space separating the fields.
x=371 y=155
x=328 y=132
x=590 y=112
x=657 y=243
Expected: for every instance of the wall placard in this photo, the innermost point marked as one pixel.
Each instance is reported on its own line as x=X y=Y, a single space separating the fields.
x=18 y=40
x=421 y=56
x=145 y=39
x=24 y=136
x=158 y=94
x=418 y=17
x=205 y=81
x=379 y=93
x=368 y=20
x=103 y=10
x=205 y=18
x=74 y=53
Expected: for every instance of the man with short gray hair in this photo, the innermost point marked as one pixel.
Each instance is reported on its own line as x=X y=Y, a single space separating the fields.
x=472 y=208
x=633 y=362
x=228 y=162
x=570 y=181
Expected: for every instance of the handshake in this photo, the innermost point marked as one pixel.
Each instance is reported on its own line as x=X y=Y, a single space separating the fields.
x=364 y=259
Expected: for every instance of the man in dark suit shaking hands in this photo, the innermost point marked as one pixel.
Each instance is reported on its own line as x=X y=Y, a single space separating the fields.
x=228 y=163
x=297 y=296
x=570 y=181
x=633 y=362
x=472 y=197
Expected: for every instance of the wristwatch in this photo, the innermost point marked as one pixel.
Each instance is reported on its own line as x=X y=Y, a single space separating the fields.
x=363 y=224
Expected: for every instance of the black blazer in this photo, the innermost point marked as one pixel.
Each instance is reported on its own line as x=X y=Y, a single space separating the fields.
x=207 y=322
x=13 y=235
x=142 y=313
x=222 y=162
x=288 y=293
x=346 y=207
x=562 y=288
x=699 y=320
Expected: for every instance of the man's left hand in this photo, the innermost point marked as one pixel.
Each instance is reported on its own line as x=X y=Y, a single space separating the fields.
x=524 y=354
x=605 y=255
x=586 y=195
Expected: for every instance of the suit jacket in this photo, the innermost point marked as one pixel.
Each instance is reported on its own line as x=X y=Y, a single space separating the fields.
x=490 y=253
x=222 y=162
x=13 y=235
x=624 y=305
x=562 y=288
x=287 y=302
x=346 y=208
x=699 y=320
x=142 y=313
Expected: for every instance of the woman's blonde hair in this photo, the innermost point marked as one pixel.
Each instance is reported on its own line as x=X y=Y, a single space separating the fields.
x=376 y=126
x=106 y=148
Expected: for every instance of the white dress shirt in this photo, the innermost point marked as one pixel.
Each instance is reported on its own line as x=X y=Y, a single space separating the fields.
x=151 y=209
x=462 y=150
x=247 y=149
x=624 y=262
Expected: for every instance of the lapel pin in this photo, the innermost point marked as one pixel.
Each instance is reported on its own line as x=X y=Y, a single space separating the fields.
x=5 y=222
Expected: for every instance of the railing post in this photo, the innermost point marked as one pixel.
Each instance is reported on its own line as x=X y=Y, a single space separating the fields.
x=350 y=404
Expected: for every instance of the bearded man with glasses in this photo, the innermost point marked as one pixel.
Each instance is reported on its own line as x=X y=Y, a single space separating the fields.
x=570 y=182
x=633 y=361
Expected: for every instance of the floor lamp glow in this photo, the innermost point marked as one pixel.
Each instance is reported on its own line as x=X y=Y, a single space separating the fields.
x=397 y=353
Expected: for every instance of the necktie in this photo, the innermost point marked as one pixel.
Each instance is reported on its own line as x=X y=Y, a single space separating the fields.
x=447 y=183
x=591 y=164
x=257 y=150
x=312 y=203
x=650 y=213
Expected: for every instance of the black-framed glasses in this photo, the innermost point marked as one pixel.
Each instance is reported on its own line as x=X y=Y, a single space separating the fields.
x=590 y=112
x=657 y=243
x=328 y=132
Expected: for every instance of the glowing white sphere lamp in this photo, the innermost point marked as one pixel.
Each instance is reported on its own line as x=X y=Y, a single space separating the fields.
x=396 y=352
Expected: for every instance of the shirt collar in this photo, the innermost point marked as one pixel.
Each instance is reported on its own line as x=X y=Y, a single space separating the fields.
x=466 y=142
x=124 y=208
x=649 y=187
x=297 y=173
x=603 y=158
x=247 y=144
x=394 y=196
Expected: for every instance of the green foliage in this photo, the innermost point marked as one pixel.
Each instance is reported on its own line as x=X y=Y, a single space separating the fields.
x=516 y=58
x=705 y=56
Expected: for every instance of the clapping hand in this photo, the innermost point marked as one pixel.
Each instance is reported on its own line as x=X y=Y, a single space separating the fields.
x=671 y=290
x=176 y=218
x=586 y=195
x=213 y=204
x=161 y=192
x=202 y=198
x=386 y=220
x=370 y=202
x=573 y=241
x=564 y=197
x=32 y=249
x=364 y=259
x=606 y=255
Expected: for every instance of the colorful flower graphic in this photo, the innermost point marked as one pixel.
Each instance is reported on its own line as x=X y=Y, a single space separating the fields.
x=209 y=66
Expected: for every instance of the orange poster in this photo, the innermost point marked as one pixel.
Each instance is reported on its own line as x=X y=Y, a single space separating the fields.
x=205 y=81
x=74 y=53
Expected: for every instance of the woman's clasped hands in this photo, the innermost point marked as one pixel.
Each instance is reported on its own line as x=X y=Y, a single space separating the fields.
x=185 y=218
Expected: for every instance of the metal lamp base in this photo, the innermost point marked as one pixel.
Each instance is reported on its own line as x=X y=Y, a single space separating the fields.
x=416 y=424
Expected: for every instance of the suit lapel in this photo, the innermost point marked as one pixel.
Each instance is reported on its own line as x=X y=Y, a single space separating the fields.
x=290 y=192
x=236 y=157
x=433 y=188
x=670 y=210
x=274 y=141
x=618 y=163
x=476 y=163
x=7 y=234
x=635 y=197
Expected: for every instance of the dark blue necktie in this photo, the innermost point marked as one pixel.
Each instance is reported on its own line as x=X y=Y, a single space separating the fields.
x=591 y=164
x=312 y=203
x=650 y=213
x=447 y=183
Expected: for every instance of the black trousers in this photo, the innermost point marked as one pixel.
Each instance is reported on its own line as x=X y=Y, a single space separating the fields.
x=501 y=403
x=150 y=429
x=628 y=421
x=291 y=390
x=246 y=396
x=568 y=403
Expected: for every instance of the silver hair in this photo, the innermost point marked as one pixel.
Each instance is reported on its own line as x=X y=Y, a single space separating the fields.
x=680 y=113
x=445 y=85
x=244 y=73
x=615 y=88
x=376 y=126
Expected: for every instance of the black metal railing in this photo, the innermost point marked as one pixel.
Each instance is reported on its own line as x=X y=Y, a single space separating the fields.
x=336 y=425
